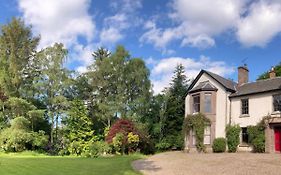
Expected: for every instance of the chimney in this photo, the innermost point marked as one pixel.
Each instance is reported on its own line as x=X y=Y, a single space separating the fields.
x=243 y=75
x=272 y=73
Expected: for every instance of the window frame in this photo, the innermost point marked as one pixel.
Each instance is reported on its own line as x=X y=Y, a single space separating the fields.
x=244 y=109
x=273 y=103
x=199 y=103
x=210 y=96
x=207 y=135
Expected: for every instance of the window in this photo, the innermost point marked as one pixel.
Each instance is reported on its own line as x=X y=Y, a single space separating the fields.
x=245 y=137
x=207 y=135
x=193 y=137
x=196 y=103
x=208 y=101
x=245 y=106
x=277 y=102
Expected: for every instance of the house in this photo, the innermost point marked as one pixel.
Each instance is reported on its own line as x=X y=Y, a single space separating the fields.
x=244 y=103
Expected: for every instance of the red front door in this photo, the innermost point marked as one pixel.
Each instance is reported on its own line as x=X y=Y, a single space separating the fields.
x=277 y=135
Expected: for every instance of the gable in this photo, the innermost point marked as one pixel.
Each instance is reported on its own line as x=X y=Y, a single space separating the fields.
x=226 y=84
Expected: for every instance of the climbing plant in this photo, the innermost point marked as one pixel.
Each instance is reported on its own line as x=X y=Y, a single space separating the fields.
x=232 y=137
x=197 y=123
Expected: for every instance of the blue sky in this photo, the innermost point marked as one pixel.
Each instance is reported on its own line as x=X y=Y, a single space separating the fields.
x=216 y=35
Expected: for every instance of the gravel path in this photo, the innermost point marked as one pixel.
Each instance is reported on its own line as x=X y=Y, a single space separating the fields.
x=179 y=163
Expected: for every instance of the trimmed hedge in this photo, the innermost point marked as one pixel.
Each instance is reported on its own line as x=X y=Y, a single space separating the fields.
x=219 y=145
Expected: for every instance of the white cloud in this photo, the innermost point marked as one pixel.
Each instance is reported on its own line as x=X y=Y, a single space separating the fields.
x=261 y=25
x=163 y=71
x=63 y=21
x=198 y=22
x=114 y=26
x=58 y=20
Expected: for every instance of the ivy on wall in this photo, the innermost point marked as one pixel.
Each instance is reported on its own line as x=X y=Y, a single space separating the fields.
x=197 y=123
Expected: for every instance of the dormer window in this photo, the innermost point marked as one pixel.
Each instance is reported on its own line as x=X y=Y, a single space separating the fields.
x=196 y=103
x=277 y=102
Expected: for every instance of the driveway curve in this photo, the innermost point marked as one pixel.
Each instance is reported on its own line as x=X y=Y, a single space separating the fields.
x=179 y=163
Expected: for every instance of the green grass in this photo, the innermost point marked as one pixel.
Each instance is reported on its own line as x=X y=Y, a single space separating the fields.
x=38 y=164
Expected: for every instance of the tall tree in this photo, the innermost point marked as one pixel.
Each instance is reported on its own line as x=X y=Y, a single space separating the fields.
x=174 y=113
x=17 y=50
x=78 y=128
x=120 y=84
x=53 y=83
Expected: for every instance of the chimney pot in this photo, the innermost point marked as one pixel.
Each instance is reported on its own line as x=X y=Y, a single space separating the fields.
x=272 y=73
x=243 y=74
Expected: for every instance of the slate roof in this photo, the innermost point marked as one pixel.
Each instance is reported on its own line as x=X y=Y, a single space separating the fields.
x=227 y=84
x=260 y=86
x=230 y=85
x=204 y=86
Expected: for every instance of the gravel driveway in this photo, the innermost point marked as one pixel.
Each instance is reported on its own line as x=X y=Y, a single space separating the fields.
x=179 y=163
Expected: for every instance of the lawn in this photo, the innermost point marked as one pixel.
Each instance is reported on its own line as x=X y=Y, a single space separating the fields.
x=47 y=165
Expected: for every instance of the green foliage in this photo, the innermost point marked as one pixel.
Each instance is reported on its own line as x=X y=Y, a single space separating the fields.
x=78 y=128
x=99 y=148
x=18 y=107
x=197 y=123
x=52 y=84
x=257 y=136
x=18 y=46
x=133 y=141
x=219 y=145
x=118 y=143
x=122 y=83
x=172 y=112
x=259 y=144
x=18 y=137
x=163 y=145
x=232 y=137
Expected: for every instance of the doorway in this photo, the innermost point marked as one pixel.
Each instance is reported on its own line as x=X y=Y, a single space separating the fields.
x=277 y=138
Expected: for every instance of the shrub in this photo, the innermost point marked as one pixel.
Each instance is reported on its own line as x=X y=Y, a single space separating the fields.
x=118 y=136
x=118 y=143
x=97 y=149
x=133 y=141
x=163 y=145
x=219 y=145
x=232 y=136
x=121 y=126
x=257 y=137
x=259 y=144
x=18 y=137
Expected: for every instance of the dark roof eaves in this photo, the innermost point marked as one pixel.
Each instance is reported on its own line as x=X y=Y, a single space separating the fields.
x=204 y=71
x=228 y=89
x=253 y=93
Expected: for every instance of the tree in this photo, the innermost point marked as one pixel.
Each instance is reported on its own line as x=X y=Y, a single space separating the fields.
x=101 y=53
x=52 y=84
x=18 y=137
x=121 y=86
x=17 y=50
x=265 y=75
x=78 y=128
x=173 y=118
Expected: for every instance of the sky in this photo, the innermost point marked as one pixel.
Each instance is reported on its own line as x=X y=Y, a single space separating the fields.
x=215 y=35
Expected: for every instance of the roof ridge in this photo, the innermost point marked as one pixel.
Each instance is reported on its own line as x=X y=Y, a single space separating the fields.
x=268 y=79
x=220 y=76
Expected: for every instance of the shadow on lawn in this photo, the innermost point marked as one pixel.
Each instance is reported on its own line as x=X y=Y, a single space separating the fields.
x=146 y=165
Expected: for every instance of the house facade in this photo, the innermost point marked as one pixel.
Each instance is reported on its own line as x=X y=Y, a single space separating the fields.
x=244 y=103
